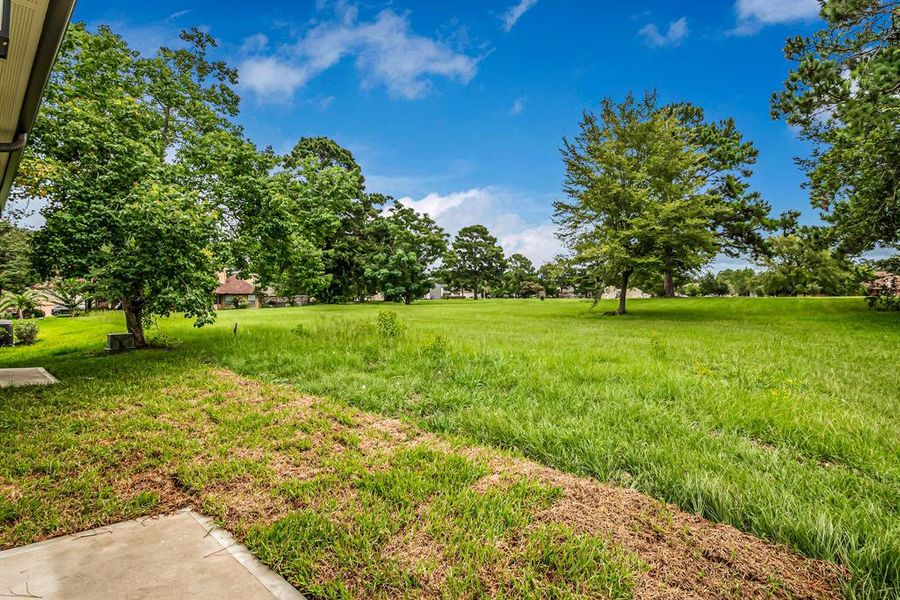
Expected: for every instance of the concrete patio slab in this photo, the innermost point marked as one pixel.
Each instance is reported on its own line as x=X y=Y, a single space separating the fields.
x=177 y=556
x=26 y=376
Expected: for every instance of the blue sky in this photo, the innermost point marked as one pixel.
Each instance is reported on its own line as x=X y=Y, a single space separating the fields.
x=458 y=108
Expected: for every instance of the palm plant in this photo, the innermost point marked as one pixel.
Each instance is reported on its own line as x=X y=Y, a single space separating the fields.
x=21 y=302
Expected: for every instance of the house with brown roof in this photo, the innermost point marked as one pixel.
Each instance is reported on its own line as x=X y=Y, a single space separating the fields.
x=234 y=291
x=884 y=284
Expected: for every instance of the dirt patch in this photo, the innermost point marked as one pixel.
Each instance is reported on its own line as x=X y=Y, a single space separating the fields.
x=169 y=497
x=687 y=555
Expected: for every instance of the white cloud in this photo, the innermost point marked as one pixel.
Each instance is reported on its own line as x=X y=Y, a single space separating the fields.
x=176 y=15
x=515 y=12
x=676 y=32
x=752 y=15
x=387 y=54
x=255 y=43
x=496 y=208
x=271 y=78
x=517 y=107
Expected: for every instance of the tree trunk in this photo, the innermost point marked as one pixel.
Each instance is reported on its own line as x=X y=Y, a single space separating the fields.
x=668 y=284
x=475 y=290
x=134 y=308
x=623 y=293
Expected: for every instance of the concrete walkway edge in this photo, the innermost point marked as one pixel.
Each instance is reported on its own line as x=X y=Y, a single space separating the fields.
x=272 y=581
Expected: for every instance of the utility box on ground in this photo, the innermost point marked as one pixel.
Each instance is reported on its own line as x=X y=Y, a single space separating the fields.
x=119 y=342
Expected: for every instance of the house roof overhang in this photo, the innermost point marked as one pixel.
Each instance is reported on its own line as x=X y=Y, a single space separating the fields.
x=35 y=31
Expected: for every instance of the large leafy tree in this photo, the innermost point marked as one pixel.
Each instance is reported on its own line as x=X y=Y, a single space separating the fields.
x=410 y=245
x=656 y=190
x=728 y=217
x=287 y=235
x=16 y=271
x=557 y=275
x=519 y=271
x=844 y=95
x=475 y=260
x=348 y=248
x=610 y=170
x=112 y=153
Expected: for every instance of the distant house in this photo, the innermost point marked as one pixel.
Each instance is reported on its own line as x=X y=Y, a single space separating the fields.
x=232 y=290
x=612 y=293
x=884 y=284
x=436 y=292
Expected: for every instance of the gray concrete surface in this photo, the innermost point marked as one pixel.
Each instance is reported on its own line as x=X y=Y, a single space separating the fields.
x=27 y=376
x=177 y=556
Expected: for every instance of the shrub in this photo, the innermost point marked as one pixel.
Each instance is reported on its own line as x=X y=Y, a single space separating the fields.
x=6 y=337
x=300 y=331
x=25 y=332
x=389 y=325
x=37 y=313
x=692 y=289
x=238 y=302
x=886 y=300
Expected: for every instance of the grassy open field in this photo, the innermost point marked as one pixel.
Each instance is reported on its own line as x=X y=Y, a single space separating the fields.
x=778 y=416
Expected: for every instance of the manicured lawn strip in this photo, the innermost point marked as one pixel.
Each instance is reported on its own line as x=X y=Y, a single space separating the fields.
x=779 y=416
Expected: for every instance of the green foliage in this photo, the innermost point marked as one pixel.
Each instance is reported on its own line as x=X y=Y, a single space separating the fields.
x=530 y=289
x=741 y=282
x=115 y=153
x=71 y=292
x=238 y=302
x=16 y=271
x=842 y=95
x=710 y=285
x=692 y=289
x=6 y=338
x=557 y=275
x=410 y=243
x=475 y=260
x=609 y=172
x=656 y=190
x=519 y=278
x=25 y=332
x=800 y=261
x=888 y=300
x=389 y=325
x=22 y=303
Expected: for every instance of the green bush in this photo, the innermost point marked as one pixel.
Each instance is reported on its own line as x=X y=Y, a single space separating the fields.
x=6 y=337
x=238 y=302
x=886 y=300
x=25 y=332
x=389 y=325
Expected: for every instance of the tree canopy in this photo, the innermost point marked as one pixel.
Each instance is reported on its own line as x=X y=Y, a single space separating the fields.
x=474 y=261
x=843 y=96
x=656 y=190
x=112 y=150
x=410 y=244
x=16 y=271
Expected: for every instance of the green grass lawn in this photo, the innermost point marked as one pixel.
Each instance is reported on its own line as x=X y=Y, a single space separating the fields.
x=778 y=416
